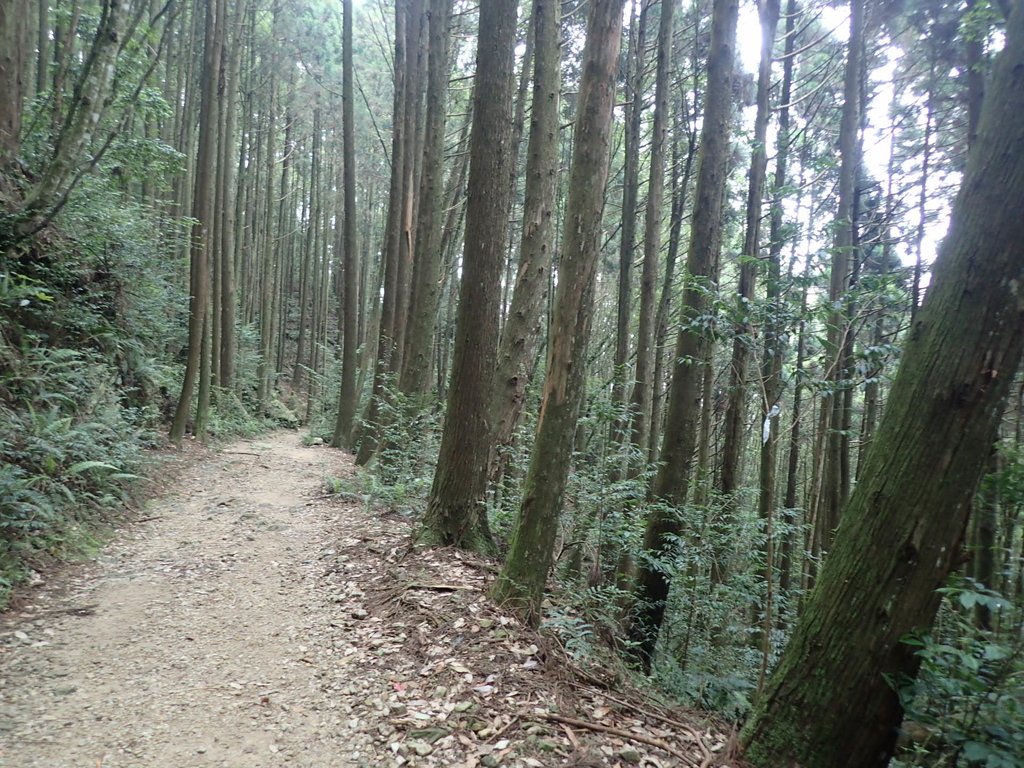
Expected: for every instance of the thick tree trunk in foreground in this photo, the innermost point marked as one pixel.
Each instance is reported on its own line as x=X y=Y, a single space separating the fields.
x=455 y=514
x=521 y=582
x=692 y=345
x=900 y=535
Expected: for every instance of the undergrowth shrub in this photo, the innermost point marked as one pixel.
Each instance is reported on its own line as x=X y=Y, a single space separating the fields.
x=89 y=320
x=400 y=473
x=966 y=707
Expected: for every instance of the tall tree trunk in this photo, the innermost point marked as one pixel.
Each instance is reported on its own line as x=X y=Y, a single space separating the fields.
x=455 y=514
x=229 y=210
x=680 y=188
x=643 y=386
x=831 y=496
x=630 y=191
x=348 y=316
x=521 y=581
x=411 y=158
x=521 y=335
x=306 y=267
x=202 y=213
x=774 y=340
x=743 y=340
x=691 y=359
x=392 y=249
x=900 y=535
x=426 y=290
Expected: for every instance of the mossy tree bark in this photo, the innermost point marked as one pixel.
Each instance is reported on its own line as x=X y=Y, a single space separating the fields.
x=692 y=345
x=517 y=350
x=521 y=581
x=455 y=513
x=900 y=535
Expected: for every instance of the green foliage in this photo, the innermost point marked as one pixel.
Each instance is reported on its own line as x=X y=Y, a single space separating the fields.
x=400 y=473
x=968 y=699
x=89 y=324
x=53 y=488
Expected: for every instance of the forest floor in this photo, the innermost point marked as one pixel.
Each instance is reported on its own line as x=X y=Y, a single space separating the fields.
x=246 y=619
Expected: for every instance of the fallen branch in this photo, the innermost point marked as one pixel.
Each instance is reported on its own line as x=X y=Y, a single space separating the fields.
x=640 y=710
x=442 y=587
x=242 y=453
x=664 y=746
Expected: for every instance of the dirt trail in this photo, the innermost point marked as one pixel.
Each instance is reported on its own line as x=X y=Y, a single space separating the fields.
x=251 y=622
x=184 y=644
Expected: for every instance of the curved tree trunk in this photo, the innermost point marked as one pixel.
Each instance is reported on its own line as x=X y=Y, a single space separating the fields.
x=900 y=535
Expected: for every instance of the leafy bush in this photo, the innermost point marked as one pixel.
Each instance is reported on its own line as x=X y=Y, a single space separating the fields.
x=967 y=704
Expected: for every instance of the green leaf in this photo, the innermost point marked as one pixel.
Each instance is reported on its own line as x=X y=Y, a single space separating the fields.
x=976 y=751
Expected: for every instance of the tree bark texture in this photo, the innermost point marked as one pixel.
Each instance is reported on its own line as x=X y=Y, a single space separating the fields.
x=521 y=581
x=348 y=316
x=900 y=535
x=517 y=350
x=426 y=289
x=684 y=402
x=202 y=213
x=455 y=513
x=14 y=16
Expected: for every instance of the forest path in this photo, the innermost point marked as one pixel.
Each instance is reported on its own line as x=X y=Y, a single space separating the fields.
x=247 y=620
